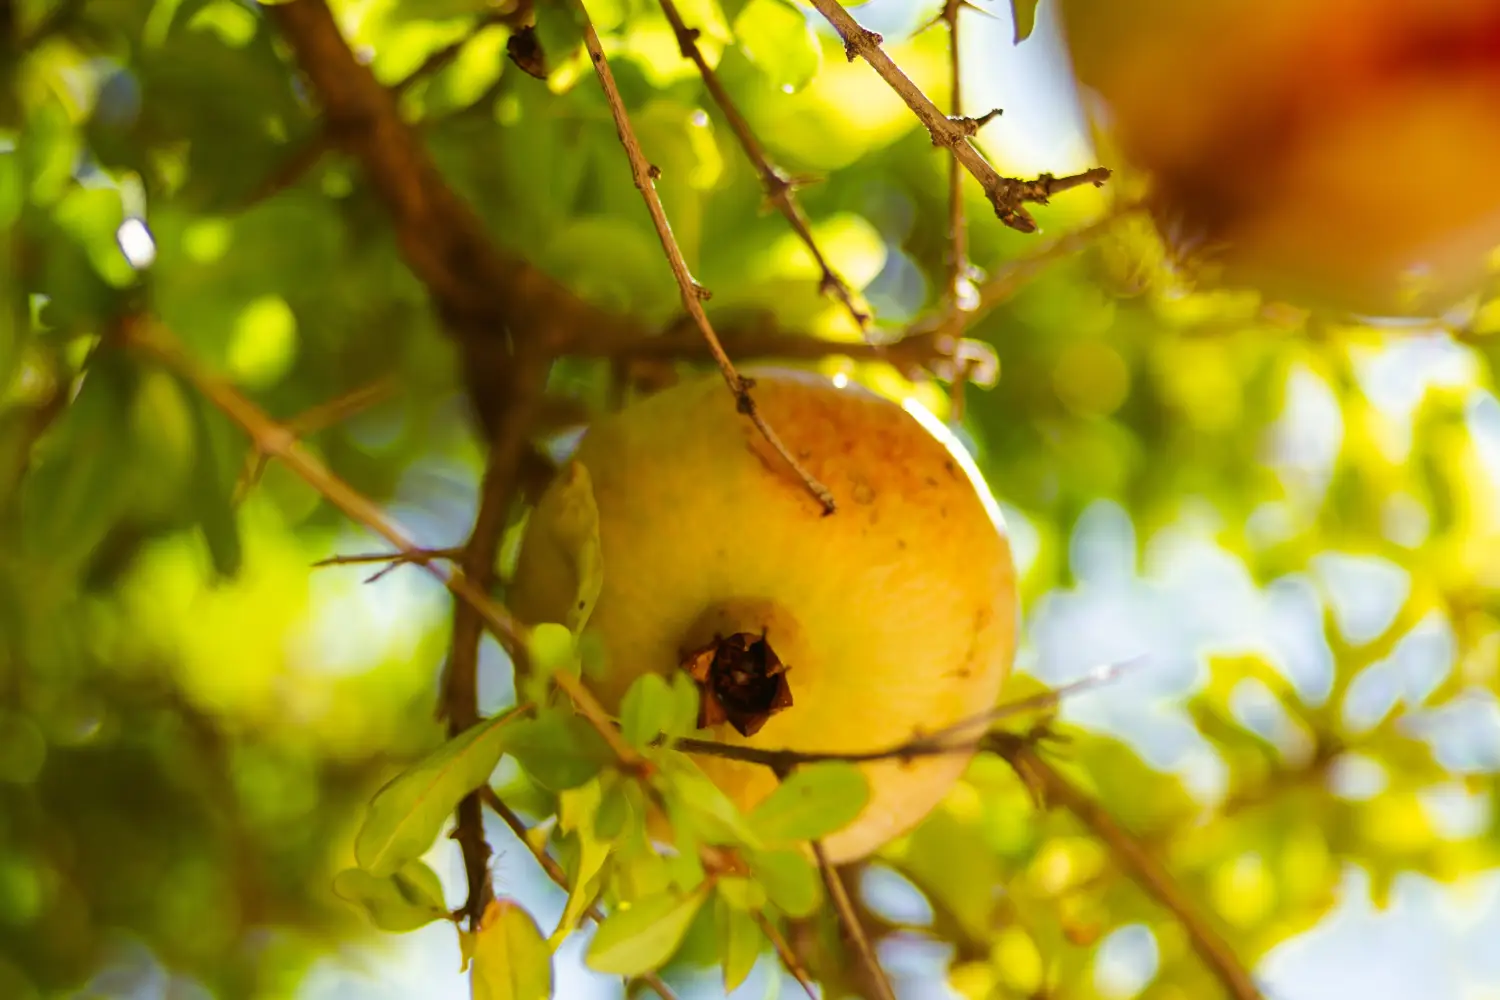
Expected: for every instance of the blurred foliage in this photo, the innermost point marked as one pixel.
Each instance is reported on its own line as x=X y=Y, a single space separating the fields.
x=192 y=719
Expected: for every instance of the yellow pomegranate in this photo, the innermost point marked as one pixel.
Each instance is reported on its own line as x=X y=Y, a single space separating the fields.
x=1336 y=152
x=894 y=616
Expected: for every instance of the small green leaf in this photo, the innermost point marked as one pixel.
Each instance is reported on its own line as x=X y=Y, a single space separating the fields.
x=511 y=959
x=742 y=893
x=213 y=493
x=685 y=699
x=412 y=897
x=646 y=710
x=558 y=749
x=695 y=800
x=777 y=38
x=643 y=936
x=740 y=942
x=577 y=809
x=552 y=648
x=615 y=810
x=405 y=816
x=812 y=802
x=790 y=880
x=1024 y=12
x=575 y=531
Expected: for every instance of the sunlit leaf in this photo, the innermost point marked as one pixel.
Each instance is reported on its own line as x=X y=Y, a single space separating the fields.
x=693 y=800
x=740 y=943
x=778 y=38
x=812 y=802
x=405 y=816
x=644 y=935
x=577 y=812
x=558 y=749
x=790 y=880
x=510 y=959
x=1024 y=12
x=409 y=898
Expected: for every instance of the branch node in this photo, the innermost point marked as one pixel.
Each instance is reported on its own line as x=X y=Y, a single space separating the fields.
x=971 y=126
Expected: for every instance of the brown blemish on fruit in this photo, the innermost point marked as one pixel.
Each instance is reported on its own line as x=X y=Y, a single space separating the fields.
x=740 y=680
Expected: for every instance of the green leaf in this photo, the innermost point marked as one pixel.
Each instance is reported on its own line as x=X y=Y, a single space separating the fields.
x=83 y=476
x=214 y=498
x=575 y=529
x=695 y=800
x=742 y=893
x=558 y=749
x=552 y=648
x=643 y=936
x=405 y=816
x=511 y=959
x=777 y=38
x=790 y=880
x=616 y=810
x=740 y=943
x=812 y=802
x=577 y=809
x=412 y=897
x=646 y=710
x=1024 y=13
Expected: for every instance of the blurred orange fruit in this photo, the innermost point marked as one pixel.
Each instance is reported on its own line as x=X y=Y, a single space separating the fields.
x=1330 y=152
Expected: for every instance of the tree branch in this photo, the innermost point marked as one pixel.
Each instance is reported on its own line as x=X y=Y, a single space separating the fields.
x=958 y=290
x=311 y=151
x=460 y=702
x=784 y=951
x=779 y=188
x=1149 y=873
x=693 y=293
x=935 y=744
x=484 y=295
x=855 y=930
x=1008 y=195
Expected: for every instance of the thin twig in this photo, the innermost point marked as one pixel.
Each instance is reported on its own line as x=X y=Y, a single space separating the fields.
x=524 y=380
x=959 y=297
x=784 y=952
x=852 y=927
x=1007 y=194
x=319 y=418
x=693 y=294
x=780 y=189
x=1015 y=274
x=935 y=744
x=555 y=872
x=958 y=236
x=400 y=558
x=1149 y=873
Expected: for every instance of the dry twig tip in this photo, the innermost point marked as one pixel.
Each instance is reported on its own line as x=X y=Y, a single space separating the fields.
x=692 y=293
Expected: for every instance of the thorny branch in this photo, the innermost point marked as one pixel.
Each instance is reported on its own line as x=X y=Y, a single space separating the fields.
x=1007 y=194
x=555 y=872
x=693 y=293
x=780 y=189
